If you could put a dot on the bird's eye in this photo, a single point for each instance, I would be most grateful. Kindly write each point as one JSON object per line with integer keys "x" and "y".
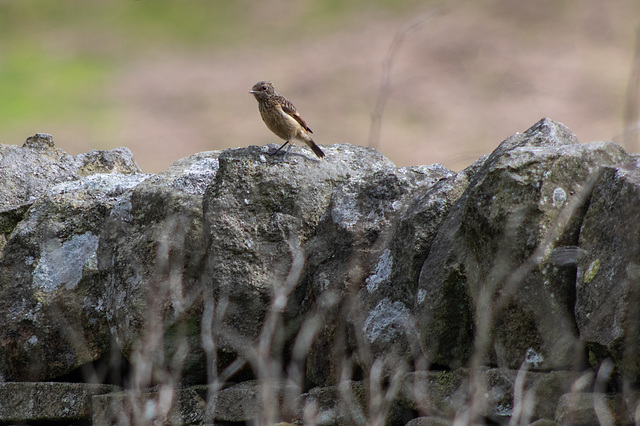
{"x": 263, "y": 88}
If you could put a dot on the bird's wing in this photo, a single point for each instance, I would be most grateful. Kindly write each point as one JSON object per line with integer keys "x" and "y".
{"x": 291, "y": 110}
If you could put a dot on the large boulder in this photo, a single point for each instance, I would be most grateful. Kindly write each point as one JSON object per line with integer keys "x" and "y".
{"x": 362, "y": 263}
{"x": 607, "y": 291}
{"x": 491, "y": 283}
{"x": 260, "y": 215}
{"x": 150, "y": 255}
{"x": 51, "y": 293}
{"x": 49, "y": 403}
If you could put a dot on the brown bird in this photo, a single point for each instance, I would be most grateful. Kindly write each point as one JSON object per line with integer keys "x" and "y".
{"x": 282, "y": 118}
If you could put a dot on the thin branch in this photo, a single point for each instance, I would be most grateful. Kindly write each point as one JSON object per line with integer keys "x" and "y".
{"x": 385, "y": 82}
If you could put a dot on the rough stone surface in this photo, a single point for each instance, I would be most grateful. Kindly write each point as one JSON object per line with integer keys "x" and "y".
{"x": 607, "y": 292}
{"x": 592, "y": 409}
{"x": 489, "y": 278}
{"x": 543, "y": 422}
{"x": 354, "y": 261}
{"x": 342, "y": 291}
{"x": 30, "y": 171}
{"x": 164, "y": 406}
{"x": 242, "y": 403}
{"x": 47, "y": 402}
{"x": 341, "y": 404}
{"x": 150, "y": 255}
{"x": 259, "y": 215}
{"x": 500, "y": 393}
{"x": 428, "y": 421}
{"x": 52, "y": 299}
{"x": 250, "y": 399}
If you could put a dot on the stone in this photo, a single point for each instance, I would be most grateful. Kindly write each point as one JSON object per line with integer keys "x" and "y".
{"x": 259, "y": 217}
{"x": 243, "y": 402}
{"x": 51, "y": 294}
{"x": 151, "y": 256}
{"x": 543, "y": 422}
{"x": 254, "y": 399}
{"x": 342, "y": 291}
{"x": 163, "y": 405}
{"x": 429, "y": 421}
{"x": 31, "y": 170}
{"x": 607, "y": 293}
{"x": 490, "y": 284}
{"x": 342, "y": 404}
{"x": 501, "y": 394}
{"x": 48, "y": 402}
{"x": 353, "y": 262}
{"x": 580, "y": 408}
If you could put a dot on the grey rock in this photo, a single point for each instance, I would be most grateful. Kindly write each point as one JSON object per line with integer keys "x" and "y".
{"x": 52, "y": 298}
{"x": 245, "y": 402}
{"x": 337, "y": 269}
{"x": 500, "y": 393}
{"x": 51, "y": 294}
{"x": 150, "y": 406}
{"x": 150, "y": 255}
{"x": 48, "y": 402}
{"x": 607, "y": 293}
{"x": 343, "y": 404}
{"x": 351, "y": 252}
{"x": 31, "y": 170}
{"x": 487, "y": 283}
{"x": 254, "y": 399}
{"x": 543, "y": 422}
{"x": 436, "y": 393}
{"x": 259, "y": 216}
{"x": 381, "y": 317}
{"x": 429, "y": 421}
{"x": 591, "y": 409}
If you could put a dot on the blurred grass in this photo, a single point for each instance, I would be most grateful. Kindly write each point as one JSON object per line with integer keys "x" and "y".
{"x": 34, "y": 83}
{"x": 56, "y": 57}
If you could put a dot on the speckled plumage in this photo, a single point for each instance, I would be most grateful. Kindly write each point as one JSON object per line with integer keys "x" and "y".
{"x": 281, "y": 117}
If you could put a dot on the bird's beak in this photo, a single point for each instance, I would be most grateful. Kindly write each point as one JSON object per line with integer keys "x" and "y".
{"x": 253, "y": 92}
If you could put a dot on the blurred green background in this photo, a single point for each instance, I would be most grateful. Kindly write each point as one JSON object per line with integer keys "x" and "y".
{"x": 170, "y": 78}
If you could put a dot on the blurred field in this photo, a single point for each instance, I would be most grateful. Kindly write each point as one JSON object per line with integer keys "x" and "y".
{"x": 170, "y": 78}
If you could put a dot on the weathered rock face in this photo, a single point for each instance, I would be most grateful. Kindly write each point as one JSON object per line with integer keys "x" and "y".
{"x": 491, "y": 262}
{"x": 607, "y": 287}
{"x": 51, "y": 292}
{"x": 259, "y": 215}
{"x": 150, "y": 253}
{"x": 349, "y": 289}
{"x": 363, "y": 267}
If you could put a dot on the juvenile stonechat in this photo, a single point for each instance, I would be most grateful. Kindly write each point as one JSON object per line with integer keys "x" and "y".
{"x": 282, "y": 118}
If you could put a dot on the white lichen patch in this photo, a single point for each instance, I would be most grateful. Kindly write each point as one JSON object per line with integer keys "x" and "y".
{"x": 559, "y": 197}
{"x": 101, "y": 184}
{"x": 345, "y": 209}
{"x": 382, "y": 273}
{"x": 533, "y": 358}
{"x": 62, "y": 264}
{"x": 386, "y": 321}
{"x": 422, "y": 294}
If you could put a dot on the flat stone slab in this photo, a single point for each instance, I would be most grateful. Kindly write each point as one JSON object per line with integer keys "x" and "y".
{"x": 27, "y": 401}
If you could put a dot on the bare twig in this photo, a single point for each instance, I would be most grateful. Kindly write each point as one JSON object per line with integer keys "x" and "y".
{"x": 385, "y": 82}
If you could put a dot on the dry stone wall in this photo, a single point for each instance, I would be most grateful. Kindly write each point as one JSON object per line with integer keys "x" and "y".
{"x": 236, "y": 287}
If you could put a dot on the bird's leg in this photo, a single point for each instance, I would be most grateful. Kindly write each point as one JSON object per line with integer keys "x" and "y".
{"x": 281, "y": 146}
{"x": 284, "y": 157}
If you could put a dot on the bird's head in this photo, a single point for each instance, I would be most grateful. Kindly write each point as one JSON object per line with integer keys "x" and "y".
{"x": 262, "y": 89}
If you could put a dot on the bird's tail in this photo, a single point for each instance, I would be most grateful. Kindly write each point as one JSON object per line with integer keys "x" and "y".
{"x": 315, "y": 148}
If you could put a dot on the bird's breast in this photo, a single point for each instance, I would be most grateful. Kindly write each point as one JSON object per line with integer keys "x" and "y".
{"x": 279, "y": 122}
